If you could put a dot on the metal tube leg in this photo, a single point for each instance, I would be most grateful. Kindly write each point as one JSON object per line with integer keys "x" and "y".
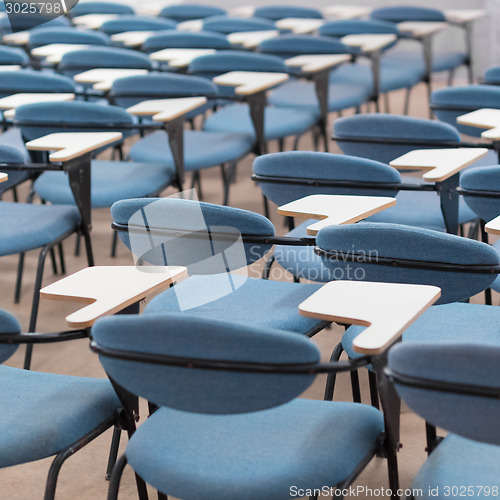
{"x": 162, "y": 496}
{"x": 406, "y": 110}
{"x": 266, "y": 205}
{"x": 372, "y": 379}
{"x": 114, "y": 243}
{"x": 114, "y": 484}
{"x": 113, "y": 452}
{"x": 356, "y": 390}
{"x": 20, "y": 268}
{"x": 53, "y": 260}
{"x": 61, "y": 258}
{"x": 332, "y": 376}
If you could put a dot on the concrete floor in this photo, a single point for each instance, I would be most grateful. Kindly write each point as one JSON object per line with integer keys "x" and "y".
{"x": 82, "y": 477}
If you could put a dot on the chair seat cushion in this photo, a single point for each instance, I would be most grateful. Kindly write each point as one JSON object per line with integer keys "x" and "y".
{"x": 278, "y": 122}
{"x": 27, "y": 226}
{"x": 48, "y": 412}
{"x": 454, "y": 323}
{"x": 253, "y": 455}
{"x": 201, "y": 149}
{"x": 461, "y": 462}
{"x": 393, "y": 76}
{"x": 302, "y": 262}
{"x": 441, "y": 61}
{"x": 420, "y": 209}
{"x": 496, "y": 284}
{"x": 302, "y": 95}
{"x": 266, "y": 303}
{"x": 111, "y": 181}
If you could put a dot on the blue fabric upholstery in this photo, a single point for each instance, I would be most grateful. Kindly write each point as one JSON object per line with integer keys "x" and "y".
{"x": 379, "y": 240}
{"x": 103, "y": 57}
{"x": 12, "y": 150}
{"x": 342, "y": 28}
{"x": 34, "y": 81}
{"x": 13, "y": 55}
{"x": 309, "y": 165}
{"x": 187, "y": 11}
{"x": 462, "y": 363}
{"x": 201, "y": 149}
{"x": 256, "y": 302}
{"x": 49, "y": 412}
{"x": 183, "y": 335}
{"x": 461, "y": 100}
{"x": 407, "y": 13}
{"x": 84, "y": 8}
{"x": 111, "y": 181}
{"x": 276, "y": 12}
{"x": 302, "y": 95}
{"x": 227, "y": 24}
{"x": 384, "y": 126}
{"x": 195, "y": 218}
{"x": 8, "y": 325}
{"x": 278, "y": 122}
{"x": 492, "y": 76}
{"x": 28, "y": 226}
{"x": 62, "y": 113}
{"x": 136, "y": 23}
{"x": 67, "y": 35}
{"x": 482, "y": 179}
{"x": 461, "y": 462}
{"x": 186, "y": 39}
{"x": 21, "y": 22}
{"x": 223, "y": 457}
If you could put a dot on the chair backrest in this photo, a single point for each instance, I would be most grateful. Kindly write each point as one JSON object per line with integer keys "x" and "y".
{"x": 276, "y": 12}
{"x": 482, "y": 179}
{"x": 128, "y": 91}
{"x": 84, "y": 8}
{"x": 293, "y": 45}
{"x": 103, "y": 57}
{"x": 395, "y": 253}
{"x": 283, "y": 170}
{"x": 492, "y": 76}
{"x": 46, "y": 118}
{"x": 451, "y": 102}
{"x": 8, "y": 325}
{"x": 67, "y": 35}
{"x": 22, "y": 22}
{"x": 34, "y": 81}
{"x": 190, "y": 233}
{"x": 186, "y": 39}
{"x": 13, "y": 56}
{"x": 369, "y": 135}
{"x": 228, "y": 24}
{"x": 12, "y": 150}
{"x": 181, "y": 336}
{"x": 187, "y": 11}
{"x": 342, "y": 28}
{"x": 401, "y": 13}
{"x": 136, "y": 23}
{"x": 435, "y": 369}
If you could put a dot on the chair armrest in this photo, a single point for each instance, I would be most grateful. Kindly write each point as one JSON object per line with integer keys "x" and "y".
{"x": 44, "y": 338}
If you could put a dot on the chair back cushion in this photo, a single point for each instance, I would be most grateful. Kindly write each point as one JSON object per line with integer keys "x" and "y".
{"x": 403, "y": 13}
{"x": 8, "y": 325}
{"x": 227, "y": 24}
{"x": 482, "y": 179}
{"x": 187, "y": 11}
{"x": 136, "y": 23}
{"x": 186, "y": 40}
{"x": 34, "y": 81}
{"x": 276, "y": 12}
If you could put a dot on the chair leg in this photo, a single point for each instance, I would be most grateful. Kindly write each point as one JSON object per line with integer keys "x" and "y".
{"x": 61, "y": 258}
{"x": 114, "y": 242}
{"x": 77, "y": 245}
{"x": 356, "y": 389}
{"x": 281, "y": 144}
{"x": 387, "y": 105}
{"x": 296, "y": 142}
{"x": 332, "y": 376}
{"x": 114, "y": 484}
{"x": 406, "y": 110}
{"x": 451, "y": 76}
{"x": 20, "y": 268}
{"x": 267, "y": 268}
{"x": 54, "y": 261}
{"x": 315, "y": 136}
{"x": 266, "y": 205}
{"x": 372, "y": 379}
{"x": 162, "y": 496}
{"x": 113, "y": 452}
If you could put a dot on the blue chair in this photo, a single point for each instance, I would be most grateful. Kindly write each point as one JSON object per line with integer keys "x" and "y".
{"x": 384, "y": 138}
{"x": 277, "y": 12}
{"x": 278, "y": 122}
{"x": 449, "y": 103}
{"x": 48, "y": 415}
{"x": 481, "y": 191}
{"x": 285, "y": 177}
{"x": 382, "y": 75}
{"x": 455, "y": 387}
{"x": 136, "y": 23}
{"x": 22, "y": 22}
{"x": 13, "y": 82}
{"x": 227, "y": 24}
{"x": 13, "y": 56}
{"x": 188, "y": 11}
{"x": 186, "y": 39}
{"x": 241, "y": 423}
{"x": 206, "y": 293}
{"x": 78, "y": 61}
{"x": 427, "y": 59}
{"x": 202, "y": 149}
{"x": 28, "y": 226}
{"x": 13, "y": 139}
{"x": 304, "y": 95}
{"x": 66, "y": 35}
{"x": 394, "y": 253}
{"x": 84, "y": 8}
{"x": 492, "y": 76}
